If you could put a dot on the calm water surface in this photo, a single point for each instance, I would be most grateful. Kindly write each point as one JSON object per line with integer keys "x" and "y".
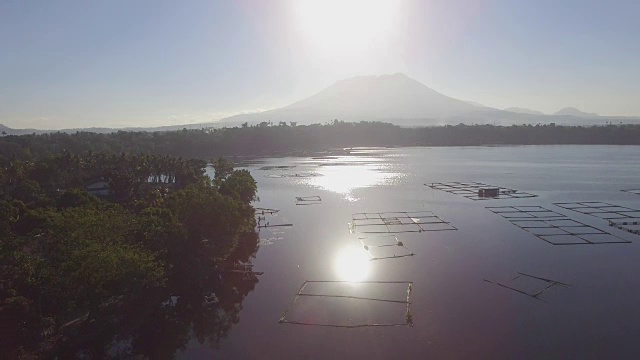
{"x": 456, "y": 315}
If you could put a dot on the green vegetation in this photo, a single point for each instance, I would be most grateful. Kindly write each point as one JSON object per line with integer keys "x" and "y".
{"x": 159, "y": 257}
{"x": 265, "y": 139}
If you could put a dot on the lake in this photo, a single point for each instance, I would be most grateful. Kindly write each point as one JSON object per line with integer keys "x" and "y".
{"x": 462, "y": 301}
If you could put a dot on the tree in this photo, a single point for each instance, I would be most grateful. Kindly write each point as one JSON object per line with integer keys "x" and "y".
{"x": 240, "y": 185}
{"x": 222, "y": 168}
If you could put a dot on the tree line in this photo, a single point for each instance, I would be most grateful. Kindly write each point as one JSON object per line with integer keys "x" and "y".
{"x": 283, "y": 138}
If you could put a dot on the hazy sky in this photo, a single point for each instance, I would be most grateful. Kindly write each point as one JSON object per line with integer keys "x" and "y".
{"x": 140, "y": 63}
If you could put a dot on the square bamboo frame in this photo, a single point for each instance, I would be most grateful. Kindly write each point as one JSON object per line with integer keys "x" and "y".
{"x": 548, "y": 284}
{"x": 398, "y": 222}
{"x": 408, "y": 315}
{"x": 469, "y": 190}
{"x": 555, "y": 228}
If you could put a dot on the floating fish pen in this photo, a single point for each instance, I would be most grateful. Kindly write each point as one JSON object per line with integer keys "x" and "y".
{"x": 269, "y": 225}
{"x": 264, "y": 222}
{"x": 328, "y": 157}
{"x": 265, "y": 211}
{"x": 397, "y": 222}
{"x": 532, "y": 286}
{"x": 384, "y": 247}
{"x": 525, "y": 212}
{"x": 338, "y": 303}
{"x": 559, "y": 230}
{"x": 308, "y": 200}
{"x": 632, "y": 191}
{"x": 602, "y": 210}
{"x": 628, "y": 225}
{"x": 339, "y": 163}
{"x": 479, "y": 191}
{"x": 277, "y": 167}
{"x": 293, "y": 175}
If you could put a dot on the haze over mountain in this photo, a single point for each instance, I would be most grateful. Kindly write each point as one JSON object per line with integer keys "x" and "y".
{"x": 384, "y": 97}
{"x": 404, "y": 101}
{"x": 524, "y": 111}
{"x": 393, "y": 98}
{"x": 571, "y": 111}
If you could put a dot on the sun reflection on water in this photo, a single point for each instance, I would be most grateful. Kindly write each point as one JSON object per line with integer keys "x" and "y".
{"x": 344, "y": 179}
{"x": 352, "y": 264}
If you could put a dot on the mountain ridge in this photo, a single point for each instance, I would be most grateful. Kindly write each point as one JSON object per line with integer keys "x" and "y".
{"x": 366, "y": 98}
{"x": 400, "y": 99}
{"x": 523, "y": 111}
{"x": 394, "y": 98}
{"x": 571, "y": 111}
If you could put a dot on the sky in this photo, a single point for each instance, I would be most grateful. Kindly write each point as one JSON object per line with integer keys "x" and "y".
{"x": 70, "y": 64}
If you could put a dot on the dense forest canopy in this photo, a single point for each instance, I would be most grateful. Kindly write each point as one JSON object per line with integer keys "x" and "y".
{"x": 287, "y": 138}
{"x": 160, "y": 256}
{"x": 119, "y": 245}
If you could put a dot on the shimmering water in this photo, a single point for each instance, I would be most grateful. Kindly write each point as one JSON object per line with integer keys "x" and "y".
{"x": 455, "y": 313}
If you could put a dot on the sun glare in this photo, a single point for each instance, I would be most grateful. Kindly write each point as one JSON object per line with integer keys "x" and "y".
{"x": 352, "y": 264}
{"x": 344, "y": 26}
{"x": 344, "y": 179}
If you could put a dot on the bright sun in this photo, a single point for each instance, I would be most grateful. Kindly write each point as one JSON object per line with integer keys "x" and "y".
{"x": 344, "y": 26}
{"x": 352, "y": 264}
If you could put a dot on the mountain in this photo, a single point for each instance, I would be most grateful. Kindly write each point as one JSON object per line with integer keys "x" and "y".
{"x": 387, "y": 97}
{"x": 523, "y": 111}
{"x": 395, "y": 98}
{"x": 5, "y": 130}
{"x": 571, "y": 111}
{"x": 474, "y": 103}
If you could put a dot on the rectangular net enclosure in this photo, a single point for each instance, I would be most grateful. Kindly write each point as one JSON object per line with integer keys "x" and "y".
{"x": 268, "y": 224}
{"x": 479, "y": 191}
{"x": 525, "y": 212}
{"x": 532, "y": 286}
{"x": 265, "y": 211}
{"x": 602, "y": 210}
{"x": 308, "y": 200}
{"x": 555, "y": 228}
{"x": 628, "y": 225}
{"x": 268, "y": 218}
{"x": 384, "y": 247}
{"x": 397, "y": 222}
{"x": 277, "y": 167}
{"x": 293, "y": 175}
{"x": 344, "y": 304}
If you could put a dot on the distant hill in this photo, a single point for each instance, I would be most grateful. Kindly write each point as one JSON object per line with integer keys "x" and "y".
{"x": 9, "y": 131}
{"x": 367, "y": 98}
{"x": 12, "y": 131}
{"x": 523, "y": 111}
{"x": 571, "y": 111}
